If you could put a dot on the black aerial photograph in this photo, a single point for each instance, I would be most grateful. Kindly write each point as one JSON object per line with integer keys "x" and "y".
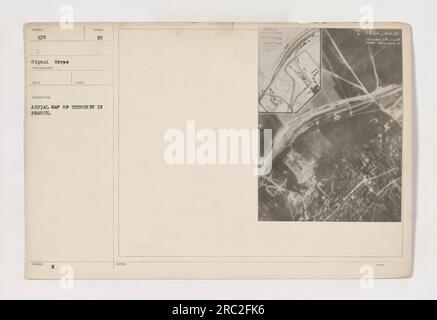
{"x": 333, "y": 100}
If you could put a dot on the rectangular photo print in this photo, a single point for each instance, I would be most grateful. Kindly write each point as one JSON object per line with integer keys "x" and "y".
{"x": 333, "y": 99}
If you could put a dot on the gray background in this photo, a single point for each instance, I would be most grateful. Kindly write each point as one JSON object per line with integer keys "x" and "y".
{"x": 420, "y": 14}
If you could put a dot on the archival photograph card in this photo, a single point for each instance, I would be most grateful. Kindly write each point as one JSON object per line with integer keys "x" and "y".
{"x": 218, "y": 150}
